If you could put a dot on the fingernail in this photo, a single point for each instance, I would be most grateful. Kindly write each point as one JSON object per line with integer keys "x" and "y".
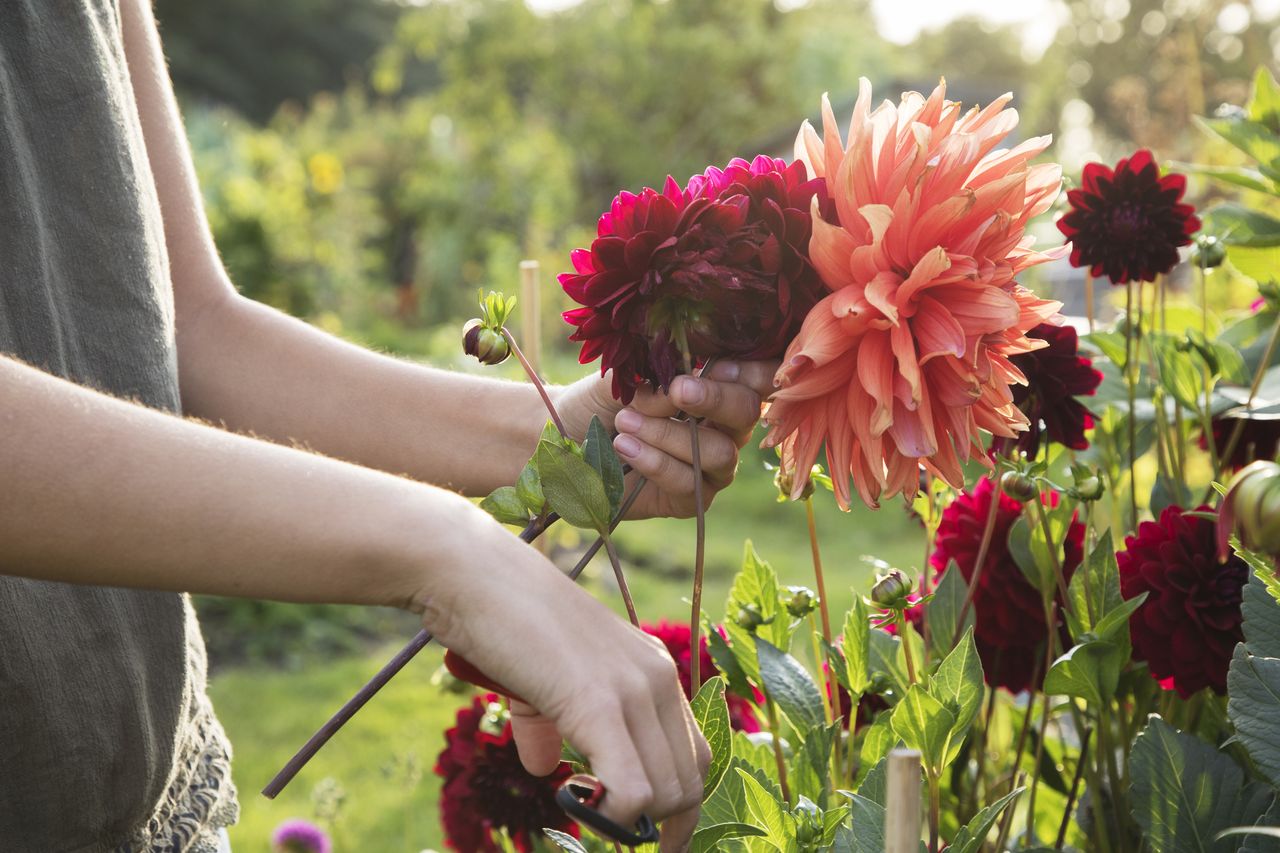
{"x": 628, "y": 420}
{"x": 689, "y": 391}
{"x": 627, "y": 445}
{"x": 725, "y": 371}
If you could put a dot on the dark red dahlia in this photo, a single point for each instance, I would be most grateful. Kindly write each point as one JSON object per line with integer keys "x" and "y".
{"x": 1189, "y": 625}
{"x": 486, "y": 789}
{"x": 1056, "y": 375}
{"x": 675, "y": 636}
{"x": 725, "y": 259}
{"x": 1259, "y": 439}
{"x": 1009, "y": 625}
{"x": 1127, "y": 223}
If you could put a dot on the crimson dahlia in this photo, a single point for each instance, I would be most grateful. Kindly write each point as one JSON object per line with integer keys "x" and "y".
{"x": 722, "y": 261}
{"x": 675, "y": 636}
{"x": 486, "y": 788}
{"x": 1009, "y": 624}
{"x": 1259, "y": 439}
{"x": 1189, "y": 625}
{"x": 1127, "y": 223}
{"x": 1056, "y": 375}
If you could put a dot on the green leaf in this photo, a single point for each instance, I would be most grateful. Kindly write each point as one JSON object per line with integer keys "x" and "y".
{"x": 756, "y": 584}
{"x": 712, "y": 716}
{"x": 1261, "y": 613}
{"x": 1237, "y": 225}
{"x": 788, "y": 684}
{"x": 725, "y": 660}
{"x": 1253, "y": 691}
{"x": 1255, "y": 843}
{"x": 598, "y": 452}
{"x": 1185, "y": 792}
{"x": 811, "y": 763}
{"x": 1110, "y": 344}
{"x": 924, "y": 724}
{"x": 1179, "y": 373}
{"x": 1028, "y": 549}
{"x": 832, "y": 821}
{"x": 1253, "y": 138}
{"x": 876, "y": 744}
{"x": 767, "y": 811}
{"x": 867, "y": 834}
{"x": 529, "y": 488}
{"x": 875, "y": 782}
{"x": 971, "y": 836}
{"x": 572, "y": 488}
{"x": 708, "y": 838}
{"x": 1095, "y": 587}
{"x": 505, "y": 505}
{"x": 1264, "y": 99}
{"x": 855, "y": 645}
{"x": 728, "y": 803}
{"x": 958, "y": 686}
{"x": 943, "y": 612}
{"x": 564, "y": 840}
{"x": 885, "y": 657}
{"x": 1089, "y": 670}
{"x": 1169, "y": 491}
{"x": 1240, "y": 176}
{"x": 1114, "y": 626}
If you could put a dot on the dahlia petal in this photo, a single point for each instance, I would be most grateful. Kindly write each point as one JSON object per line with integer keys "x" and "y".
{"x": 937, "y": 331}
{"x": 875, "y": 372}
{"x": 808, "y": 150}
{"x": 829, "y": 250}
{"x": 926, "y": 271}
{"x": 880, "y": 293}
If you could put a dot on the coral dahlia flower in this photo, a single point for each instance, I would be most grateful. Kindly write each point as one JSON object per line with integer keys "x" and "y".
{"x": 908, "y": 355}
{"x": 486, "y": 788}
{"x": 1190, "y": 623}
{"x": 1008, "y": 612}
{"x": 1056, "y": 375}
{"x": 1127, "y": 223}
{"x": 723, "y": 262}
{"x": 675, "y": 636}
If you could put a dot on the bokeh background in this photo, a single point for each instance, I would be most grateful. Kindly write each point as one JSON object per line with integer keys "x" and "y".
{"x": 368, "y": 165}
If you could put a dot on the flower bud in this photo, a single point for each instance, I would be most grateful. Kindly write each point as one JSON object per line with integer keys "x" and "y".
{"x": 1088, "y": 485}
{"x": 786, "y": 481}
{"x": 485, "y": 344}
{"x": 878, "y": 684}
{"x": 750, "y": 617}
{"x": 892, "y": 590}
{"x": 494, "y": 720}
{"x": 802, "y": 602}
{"x": 1251, "y": 509}
{"x": 1207, "y": 252}
{"x": 1018, "y": 486}
{"x": 809, "y": 823}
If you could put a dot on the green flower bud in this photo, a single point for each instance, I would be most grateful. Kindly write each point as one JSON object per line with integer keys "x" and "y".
{"x": 1251, "y": 508}
{"x": 808, "y": 818}
{"x": 1088, "y": 485}
{"x": 802, "y": 602}
{"x": 1018, "y": 486}
{"x": 484, "y": 343}
{"x": 879, "y": 684}
{"x": 1207, "y": 252}
{"x": 750, "y": 617}
{"x": 785, "y": 481}
{"x": 891, "y": 591}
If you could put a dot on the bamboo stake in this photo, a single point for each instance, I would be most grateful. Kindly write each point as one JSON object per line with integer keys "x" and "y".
{"x": 531, "y": 313}
{"x": 902, "y": 803}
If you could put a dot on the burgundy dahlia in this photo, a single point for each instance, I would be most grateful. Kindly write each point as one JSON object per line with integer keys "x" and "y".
{"x": 1259, "y": 439}
{"x": 1189, "y": 625}
{"x": 675, "y": 636}
{"x": 723, "y": 261}
{"x": 486, "y": 788}
{"x": 1056, "y": 375}
{"x": 1009, "y": 624}
{"x": 1127, "y": 223}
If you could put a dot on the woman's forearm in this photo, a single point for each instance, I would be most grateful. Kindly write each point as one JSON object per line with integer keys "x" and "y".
{"x": 100, "y": 491}
{"x": 259, "y": 371}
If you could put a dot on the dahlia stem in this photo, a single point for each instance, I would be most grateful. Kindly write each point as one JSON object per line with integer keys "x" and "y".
{"x": 1131, "y": 382}
{"x": 1088, "y": 296}
{"x": 1075, "y": 790}
{"x": 537, "y": 382}
{"x": 831, "y": 695}
{"x": 1238, "y": 429}
{"x": 700, "y": 543}
{"x": 1162, "y": 289}
{"x": 1035, "y": 777}
{"x": 774, "y": 729}
{"x": 935, "y": 808}
{"x": 900, "y": 620}
{"x": 983, "y": 548}
{"x": 620, "y": 577}
{"x": 1007, "y": 821}
{"x": 1058, "y": 575}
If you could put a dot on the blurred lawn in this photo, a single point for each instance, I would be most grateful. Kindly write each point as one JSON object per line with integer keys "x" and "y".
{"x": 269, "y": 712}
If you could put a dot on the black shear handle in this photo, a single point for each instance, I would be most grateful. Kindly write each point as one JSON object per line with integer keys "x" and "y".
{"x": 581, "y": 794}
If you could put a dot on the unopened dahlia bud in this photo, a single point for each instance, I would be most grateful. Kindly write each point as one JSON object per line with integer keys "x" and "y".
{"x": 1088, "y": 484}
{"x": 1018, "y": 486}
{"x": 785, "y": 481}
{"x": 485, "y": 344}
{"x": 892, "y": 590}
{"x": 809, "y": 824}
{"x": 750, "y": 617}
{"x": 802, "y": 602}
{"x": 1208, "y": 252}
{"x": 1251, "y": 509}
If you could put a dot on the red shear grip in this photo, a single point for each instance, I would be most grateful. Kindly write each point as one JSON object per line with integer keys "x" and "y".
{"x": 463, "y": 670}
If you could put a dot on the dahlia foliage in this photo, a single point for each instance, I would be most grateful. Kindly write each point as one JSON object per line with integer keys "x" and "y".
{"x": 1066, "y": 615}
{"x": 907, "y": 357}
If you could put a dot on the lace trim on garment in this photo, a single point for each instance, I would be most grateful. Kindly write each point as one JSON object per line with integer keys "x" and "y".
{"x": 200, "y": 800}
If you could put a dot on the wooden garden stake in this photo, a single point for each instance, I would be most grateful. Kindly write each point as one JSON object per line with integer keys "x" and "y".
{"x": 902, "y": 803}
{"x": 531, "y": 313}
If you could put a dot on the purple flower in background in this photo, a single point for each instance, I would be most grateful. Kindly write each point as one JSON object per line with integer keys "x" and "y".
{"x": 299, "y": 836}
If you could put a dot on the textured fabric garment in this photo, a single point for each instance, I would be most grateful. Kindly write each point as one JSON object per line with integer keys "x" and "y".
{"x": 106, "y": 739}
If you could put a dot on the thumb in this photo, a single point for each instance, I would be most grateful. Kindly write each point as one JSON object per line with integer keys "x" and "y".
{"x": 537, "y": 739}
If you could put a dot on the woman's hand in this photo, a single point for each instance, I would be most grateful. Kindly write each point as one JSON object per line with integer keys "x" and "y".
{"x": 658, "y": 446}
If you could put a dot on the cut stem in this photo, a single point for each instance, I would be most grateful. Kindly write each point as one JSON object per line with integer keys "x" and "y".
{"x": 621, "y": 578}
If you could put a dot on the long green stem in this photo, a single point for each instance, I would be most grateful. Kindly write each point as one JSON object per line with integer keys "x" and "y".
{"x": 1044, "y": 711}
{"x": 1058, "y": 575}
{"x": 1075, "y": 789}
{"x": 1131, "y": 382}
{"x": 700, "y": 543}
{"x": 983, "y": 547}
{"x": 935, "y": 808}
{"x": 775, "y": 730}
{"x": 901, "y": 621}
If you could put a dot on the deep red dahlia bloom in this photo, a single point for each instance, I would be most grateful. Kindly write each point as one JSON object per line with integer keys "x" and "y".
{"x": 1056, "y": 375}
{"x": 1009, "y": 626}
{"x": 1190, "y": 623}
{"x": 487, "y": 789}
{"x": 725, "y": 258}
{"x": 675, "y": 636}
{"x": 1260, "y": 439}
{"x": 1127, "y": 223}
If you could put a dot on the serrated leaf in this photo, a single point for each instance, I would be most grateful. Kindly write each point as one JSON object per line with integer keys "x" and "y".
{"x": 712, "y": 716}
{"x": 564, "y": 840}
{"x": 959, "y": 687}
{"x": 1094, "y": 587}
{"x": 944, "y": 609}
{"x": 971, "y": 836}
{"x": 1253, "y": 138}
{"x": 573, "y": 488}
{"x": 832, "y": 821}
{"x": 1261, "y": 614}
{"x": 875, "y": 783}
{"x": 529, "y": 488}
{"x": 811, "y": 763}
{"x": 767, "y": 811}
{"x": 924, "y": 724}
{"x": 790, "y": 686}
{"x": 1253, "y": 691}
{"x": 1254, "y": 843}
{"x": 1114, "y": 626}
{"x": 505, "y": 505}
{"x": 756, "y": 584}
{"x": 867, "y": 832}
{"x": 876, "y": 743}
{"x": 598, "y": 452}
{"x": 1185, "y": 792}
{"x": 854, "y": 644}
{"x": 1089, "y": 671}
{"x": 708, "y": 838}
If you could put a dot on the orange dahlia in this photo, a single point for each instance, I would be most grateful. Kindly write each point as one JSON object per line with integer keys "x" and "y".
{"x": 907, "y": 357}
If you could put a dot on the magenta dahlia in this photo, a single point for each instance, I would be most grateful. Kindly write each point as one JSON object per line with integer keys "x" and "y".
{"x": 1009, "y": 623}
{"x": 723, "y": 261}
{"x": 1127, "y": 223}
{"x": 675, "y": 636}
{"x": 1056, "y": 376}
{"x": 1189, "y": 625}
{"x": 486, "y": 788}
{"x": 300, "y": 836}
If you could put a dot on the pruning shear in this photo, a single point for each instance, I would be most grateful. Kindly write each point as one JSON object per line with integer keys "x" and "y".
{"x": 581, "y": 794}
